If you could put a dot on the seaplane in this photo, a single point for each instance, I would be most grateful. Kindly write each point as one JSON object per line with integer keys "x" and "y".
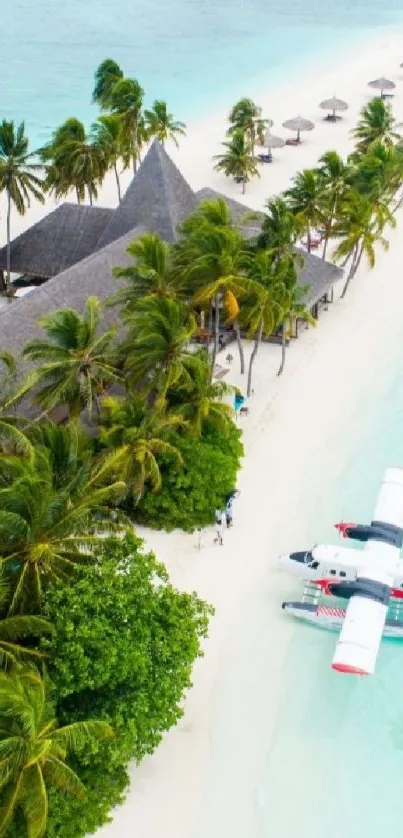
{"x": 369, "y": 577}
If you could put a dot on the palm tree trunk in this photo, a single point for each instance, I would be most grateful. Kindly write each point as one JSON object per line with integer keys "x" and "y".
{"x": 78, "y": 195}
{"x": 243, "y": 186}
{"x": 240, "y": 347}
{"x": 216, "y": 332}
{"x": 283, "y": 351}
{"x": 353, "y": 269}
{"x": 8, "y": 272}
{"x": 332, "y": 215}
{"x": 115, "y": 169}
{"x": 90, "y": 195}
{"x": 308, "y": 240}
{"x": 253, "y": 356}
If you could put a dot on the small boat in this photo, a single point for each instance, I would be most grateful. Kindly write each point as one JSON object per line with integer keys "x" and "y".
{"x": 331, "y": 617}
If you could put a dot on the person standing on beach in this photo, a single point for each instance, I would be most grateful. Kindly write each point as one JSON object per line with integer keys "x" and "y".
{"x": 219, "y": 527}
{"x": 228, "y": 513}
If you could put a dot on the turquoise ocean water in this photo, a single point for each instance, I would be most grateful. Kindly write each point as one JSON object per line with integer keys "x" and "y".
{"x": 335, "y": 764}
{"x": 193, "y": 53}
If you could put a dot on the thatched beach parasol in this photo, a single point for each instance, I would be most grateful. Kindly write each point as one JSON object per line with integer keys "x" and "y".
{"x": 271, "y": 141}
{"x": 298, "y": 124}
{"x": 382, "y": 84}
{"x": 333, "y": 105}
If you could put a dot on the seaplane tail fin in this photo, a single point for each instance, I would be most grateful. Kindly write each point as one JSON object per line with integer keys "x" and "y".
{"x": 358, "y": 645}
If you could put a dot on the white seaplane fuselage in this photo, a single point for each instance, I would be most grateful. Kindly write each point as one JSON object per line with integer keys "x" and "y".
{"x": 338, "y": 563}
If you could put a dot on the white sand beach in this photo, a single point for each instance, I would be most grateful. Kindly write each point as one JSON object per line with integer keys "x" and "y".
{"x": 294, "y": 422}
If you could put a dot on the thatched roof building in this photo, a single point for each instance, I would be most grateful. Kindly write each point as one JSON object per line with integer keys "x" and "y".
{"x": 158, "y": 198}
{"x": 62, "y": 238}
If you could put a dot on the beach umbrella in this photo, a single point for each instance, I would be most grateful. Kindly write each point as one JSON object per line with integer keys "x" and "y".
{"x": 334, "y": 104}
{"x": 382, "y": 84}
{"x": 271, "y": 141}
{"x": 298, "y": 124}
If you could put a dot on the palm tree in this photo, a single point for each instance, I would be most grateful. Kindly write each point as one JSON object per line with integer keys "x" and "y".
{"x": 279, "y": 231}
{"x": 127, "y": 101}
{"x": 304, "y": 199}
{"x": 107, "y": 74}
{"x": 294, "y": 309}
{"x": 267, "y": 300}
{"x": 138, "y": 436}
{"x": 360, "y": 225}
{"x": 155, "y": 350}
{"x": 200, "y": 402}
{"x": 50, "y": 507}
{"x": 76, "y": 363}
{"x": 151, "y": 274}
{"x": 238, "y": 161}
{"x": 213, "y": 252}
{"x": 34, "y": 751}
{"x": 106, "y": 135}
{"x": 19, "y": 178}
{"x": 246, "y": 116}
{"x": 82, "y": 165}
{"x": 334, "y": 176}
{"x": 58, "y": 179}
{"x": 20, "y": 627}
{"x": 376, "y": 123}
{"x": 162, "y": 125}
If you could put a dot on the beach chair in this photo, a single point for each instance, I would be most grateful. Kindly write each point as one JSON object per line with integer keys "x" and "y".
{"x": 293, "y": 141}
{"x": 265, "y": 158}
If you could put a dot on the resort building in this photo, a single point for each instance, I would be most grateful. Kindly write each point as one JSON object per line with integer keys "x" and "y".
{"x": 69, "y": 254}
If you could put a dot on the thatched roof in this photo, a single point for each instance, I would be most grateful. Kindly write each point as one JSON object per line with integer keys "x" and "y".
{"x": 65, "y": 236}
{"x": 250, "y": 226}
{"x": 69, "y": 289}
{"x": 158, "y": 198}
{"x": 319, "y": 275}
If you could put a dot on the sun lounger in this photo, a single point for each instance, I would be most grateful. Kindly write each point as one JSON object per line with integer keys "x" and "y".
{"x": 265, "y": 158}
{"x": 292, "y": 141}
{"x": 314, "y": 243}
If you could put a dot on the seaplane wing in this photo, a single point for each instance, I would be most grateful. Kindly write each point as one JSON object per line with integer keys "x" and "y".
{"x": 358, "y": 645}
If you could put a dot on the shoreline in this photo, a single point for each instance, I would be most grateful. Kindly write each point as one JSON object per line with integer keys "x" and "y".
{"x": 291, "y": 419}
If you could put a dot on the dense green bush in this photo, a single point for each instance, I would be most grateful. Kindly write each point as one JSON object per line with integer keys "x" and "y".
{"x": 191, "y": 492}
{"x": 123, "y": 651}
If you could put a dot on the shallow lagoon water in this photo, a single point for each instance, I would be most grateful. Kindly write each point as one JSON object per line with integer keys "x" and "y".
{"x": 196, "y": 54}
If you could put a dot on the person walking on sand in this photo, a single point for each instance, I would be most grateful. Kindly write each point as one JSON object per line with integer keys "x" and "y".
{"x": 219, "y": 527}
{"x": 228, "y": 513}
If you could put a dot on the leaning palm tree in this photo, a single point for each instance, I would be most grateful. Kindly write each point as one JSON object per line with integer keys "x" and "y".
{"x": 200, "y": 403}
{"x": 151, "y": 274}
{"x": 359, "y": 227}
{"x": 155, "y": 350}
{"x": 127, "y": 101}
{"x": 107, "y": 74}
{"x": 238, "y": 161}
{"x": 334, "y": 174}
{"x": 81, "y": 164}
{"x": 139, "y": 437}
{"x": 34, "y": 751}
{"x": 106, "y": 135}
{"x": 246, "y": 116}
{"x": 305, "y": 198}
{"x": 267, "y": 299}
{"x": 75, "y": 364}
{"x": 162, "y": 125}
{"x": 376, "y": 123}
{"x": 58, "y": 179}
{"x": 20, "y": 178}
{"x": 51, "y": 506}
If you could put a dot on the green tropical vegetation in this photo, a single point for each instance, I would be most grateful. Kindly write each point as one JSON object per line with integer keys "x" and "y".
{"x": 116, "y": 425}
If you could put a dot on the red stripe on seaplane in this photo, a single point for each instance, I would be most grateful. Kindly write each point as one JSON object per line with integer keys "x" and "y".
{"x": 348, "y": 670}
{"x": 396, "y": 593}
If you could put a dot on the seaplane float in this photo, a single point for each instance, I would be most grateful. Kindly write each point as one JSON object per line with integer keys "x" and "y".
{"x": 369, "y": 577}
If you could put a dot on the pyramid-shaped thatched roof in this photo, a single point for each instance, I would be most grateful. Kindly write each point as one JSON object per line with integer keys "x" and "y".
{"x": 158, "y": 198}
{"x": 67, "y": 235}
